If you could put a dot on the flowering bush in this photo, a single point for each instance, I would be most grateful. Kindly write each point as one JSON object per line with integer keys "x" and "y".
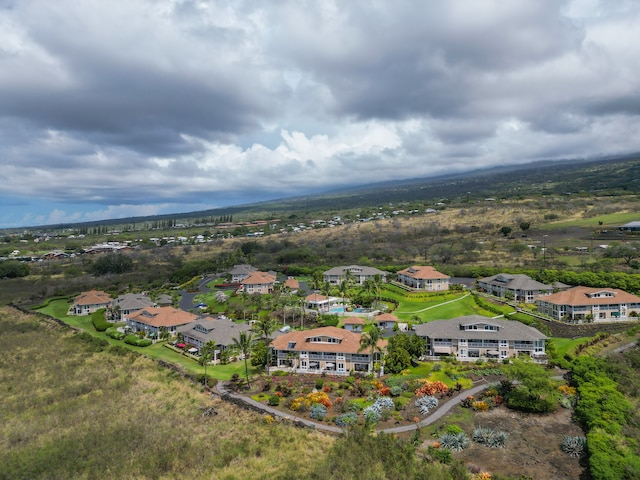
{"x": 567, "y": 390}
{"x": 480, "y": 406}
{"x": 320, "y": 397}
{"x": 468, "y": 402}
{"x": 384, "y": 391}
{"x": 300, "y": 404}
{"x": 431, "y": 388}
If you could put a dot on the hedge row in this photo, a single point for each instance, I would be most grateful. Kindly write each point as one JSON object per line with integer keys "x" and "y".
{"x": 114, "y": 333}
{"x": 604, "y": 412}
{"x": 137, "y": 341}
{"x": 99, "y": 323}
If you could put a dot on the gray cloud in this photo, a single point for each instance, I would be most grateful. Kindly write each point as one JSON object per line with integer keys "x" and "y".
{"x": 150, "y": 105}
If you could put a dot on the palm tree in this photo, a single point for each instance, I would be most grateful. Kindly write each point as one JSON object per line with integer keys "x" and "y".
{"x": 369, "y": 341}
{"x": 265, "y": 327}
{"x": 317, "y": 280}
{"x": 243, "y": 342}
{"x": 164, "y": 334}
{"x": 245, "y": 297}
{"x": 350, "y": 278}
{"x": 377, "y": 285}
{"x": 206, "y": 353}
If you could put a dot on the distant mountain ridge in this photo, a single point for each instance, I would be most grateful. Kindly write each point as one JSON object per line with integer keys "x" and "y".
{"x": 610, "y": 175}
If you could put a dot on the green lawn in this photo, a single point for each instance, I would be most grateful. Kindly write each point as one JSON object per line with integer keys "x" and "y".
{"x": 59, "y": 308}
{"x": 609, "y": 220}
{"x": 440, "y": 308}
{"x": 564, "y": 345}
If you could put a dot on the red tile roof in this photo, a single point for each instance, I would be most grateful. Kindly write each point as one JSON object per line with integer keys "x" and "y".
{"x": 354, "y": 321}
{"x": 163, "y": 317}
{"x": 580, "y": 296}
{"x": 422, "y": 273}
{"x": 92, "y": 297}
{"x": 259, "y": 278}
{"x": 296, "y": 341}
{"x": 316, "y": 297}
{"x": 385, "y": 317}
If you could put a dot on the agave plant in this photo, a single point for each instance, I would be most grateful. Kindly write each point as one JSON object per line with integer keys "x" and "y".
{"x": 454, "y": 441}
{"x": 482, "y": 435}
{"x": 573, "y": 446}
{"x": 498, "y": 439}
{"x": 426, "y": 403}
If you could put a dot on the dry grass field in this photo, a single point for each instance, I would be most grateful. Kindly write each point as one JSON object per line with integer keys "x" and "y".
{"x": 72, "y": 410}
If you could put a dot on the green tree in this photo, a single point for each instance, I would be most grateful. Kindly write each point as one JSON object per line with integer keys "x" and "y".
{"x": 369, "y": 342}
{"x": 625, "y": 251}
{"x": 505, "y": 230}
{"x": 112, "y": 263}
{"x": 244, "y": 343}
{"x": 13, "y": 269}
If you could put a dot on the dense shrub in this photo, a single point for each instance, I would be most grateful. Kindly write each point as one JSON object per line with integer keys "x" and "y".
{"x": 346, "y": 419}
{"x": 318, "y": 411}
{"x": 274, "y": 400}
{"x": 114, "y": 333}
{"x": 112, "y": 263}
{"x": 13, "y": 269}
{"x": 99, "y": 323}
{"x": 134, "y": 340}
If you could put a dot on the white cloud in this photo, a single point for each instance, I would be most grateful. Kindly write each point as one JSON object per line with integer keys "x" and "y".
{"x": 146, "y": 106}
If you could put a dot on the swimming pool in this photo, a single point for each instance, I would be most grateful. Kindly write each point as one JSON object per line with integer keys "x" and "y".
{"x": 355, "y": 310}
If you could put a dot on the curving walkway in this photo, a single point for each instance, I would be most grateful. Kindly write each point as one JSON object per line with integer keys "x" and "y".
{"x": 437, "y": 414}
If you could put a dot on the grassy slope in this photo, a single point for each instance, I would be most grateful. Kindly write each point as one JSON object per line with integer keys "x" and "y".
{"x": 439, "y": 308}
{"x": 58, "y": 309}
{"x": 69, "y": 411}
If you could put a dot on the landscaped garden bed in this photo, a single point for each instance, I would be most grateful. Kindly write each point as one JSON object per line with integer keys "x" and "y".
{"x": 382, "y": 403}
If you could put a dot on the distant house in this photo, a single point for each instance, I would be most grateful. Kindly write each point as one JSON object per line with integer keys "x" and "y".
{"x": 258, "y": 282}
{"x": 151, "y": 319}
{"x": 423, "y": 278}
{"x": 164, "y": 300}
{"x": 579, "y": 304}
{"x": 630, "y": 227}
{"x": 318, "y": 302}
{"x": 474, "y": 336}
{"x": 219, "y": 330}
{"x": 292, "y": 284}
{"x": 336, "y": 275}
{"x": 240, "y": 272}
{"x": 515, "y": 285}
{"x": 329, "y": 350}
{"x": 385, "y": 321}
{"x": 88, "y": 302}
{"x": 353, "y": 324}
{"x": 129, "y": 303}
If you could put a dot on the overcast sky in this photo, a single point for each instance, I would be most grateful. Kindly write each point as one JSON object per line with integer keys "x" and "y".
{"x": 137, "y": 107}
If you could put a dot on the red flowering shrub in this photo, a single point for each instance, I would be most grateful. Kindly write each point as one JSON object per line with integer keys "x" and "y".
{"x": 431, "y": 388}
{"x": 384, "y": 391}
